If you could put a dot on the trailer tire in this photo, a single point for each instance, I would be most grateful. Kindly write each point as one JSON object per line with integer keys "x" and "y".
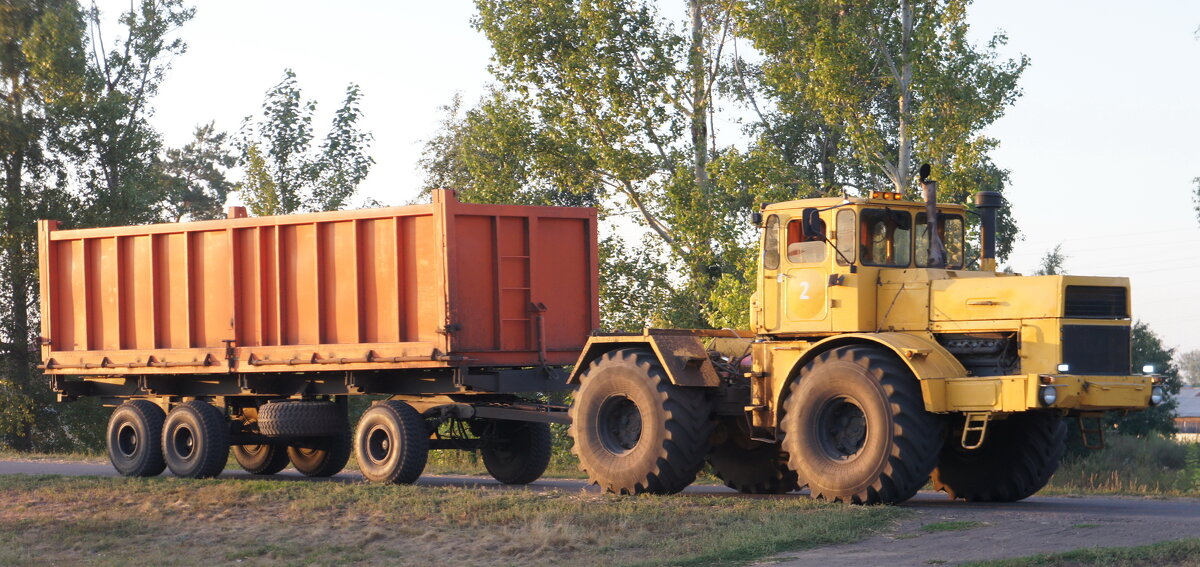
{"x": 391, "y": 443}
{"x": 195, "y": 440}
{"x": 855, "y": 428}
{"x": 261, "y": 459}
{"x": 300, "y": 419}
{"x": 634, "y": 431}
{"x": 515, "y": 452}
{"x": 135, "y": 438}
{"x": 1017, "y": 459}
{"x": 759, "y": 469}
{"x": 323, "y": 457}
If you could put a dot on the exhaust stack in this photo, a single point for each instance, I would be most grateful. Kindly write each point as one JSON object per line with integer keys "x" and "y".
{"x": 937, "y": 250}
{"x": 988, "y": 202}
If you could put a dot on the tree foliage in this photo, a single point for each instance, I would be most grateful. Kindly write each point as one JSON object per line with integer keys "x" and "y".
{"x": 285, "y": 172}
{"x": 1053, "y": 263}
{"x": 613, "y": 103}
{"x": 1189, "y": 367}
{"x": 1148, "y": 349}
{"x": 894, "y": 84}
{"x": 77, "y": 146}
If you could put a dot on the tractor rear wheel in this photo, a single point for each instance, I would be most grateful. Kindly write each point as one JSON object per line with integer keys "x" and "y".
{"x": 758, "y": 468}
{"x": 634, "y": 431}
{"x": 855, "y": 428}
{"x": 1017, "y": 458}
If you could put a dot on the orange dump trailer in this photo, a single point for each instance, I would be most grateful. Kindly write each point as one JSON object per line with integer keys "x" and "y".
{"x": 427, "y": 286}
{"x": 448, "y": 308}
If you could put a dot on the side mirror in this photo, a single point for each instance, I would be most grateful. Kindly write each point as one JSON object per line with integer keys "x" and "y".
{"x": 756, "y": 218}
{"x": 812, "y": 224}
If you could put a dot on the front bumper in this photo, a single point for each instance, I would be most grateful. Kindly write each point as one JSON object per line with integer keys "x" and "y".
{"x": 1022, "y": 392}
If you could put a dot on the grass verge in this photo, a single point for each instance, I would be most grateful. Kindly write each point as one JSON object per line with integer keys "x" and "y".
{"x": 1148, "y": 466}
{"x": 1183, "y": 553}
{"x": 119, "y": 521}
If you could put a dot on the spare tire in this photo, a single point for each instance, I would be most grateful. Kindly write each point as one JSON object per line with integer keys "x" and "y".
{"x": 300, "y": 419}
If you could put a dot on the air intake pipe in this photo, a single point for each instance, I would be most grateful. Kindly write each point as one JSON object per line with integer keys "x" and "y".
{"x": 987, "y": 203}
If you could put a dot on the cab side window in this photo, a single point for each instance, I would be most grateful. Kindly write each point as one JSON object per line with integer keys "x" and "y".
{"x": 771, "y": 243}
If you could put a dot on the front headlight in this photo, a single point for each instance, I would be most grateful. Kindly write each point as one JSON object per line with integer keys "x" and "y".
{"x": 1157, "y": 394}
{"x": 1049, "y": 395}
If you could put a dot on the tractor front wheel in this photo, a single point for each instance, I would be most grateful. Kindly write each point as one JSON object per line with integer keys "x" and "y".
{"x": 855, "y": 428}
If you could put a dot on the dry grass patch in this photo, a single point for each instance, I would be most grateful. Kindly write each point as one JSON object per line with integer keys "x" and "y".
{"x": 115, "y": 521}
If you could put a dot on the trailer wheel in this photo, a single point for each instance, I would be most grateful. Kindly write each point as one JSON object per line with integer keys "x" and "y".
{"x": 391, "y": 443}
{"x": 636, "y": 432}
{"x": 135, "y": 438}
{"x": 322, "y": 457}
{"x": 759, "y": 469}
{"x": 261, "y": 459}
{"x": 195, "y": 440}
{"x": 515, "y": 452}
{"x": 856, "y": 430}
{"x": 1018, "y": 456}
{"x": 300, "y": 419}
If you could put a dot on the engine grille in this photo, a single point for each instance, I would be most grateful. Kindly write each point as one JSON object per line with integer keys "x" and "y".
{"x": 1094, "y": 349}
{"x": 1095, "y": 302}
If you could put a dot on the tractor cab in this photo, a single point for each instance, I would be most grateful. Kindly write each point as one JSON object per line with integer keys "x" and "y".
{"x": 821, "y": 258}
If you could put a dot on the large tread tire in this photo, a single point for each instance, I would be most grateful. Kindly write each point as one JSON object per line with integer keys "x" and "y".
{"x": 760, "y": 468}
{"x": 325, "y": 457}
{"x": 261, "y": 459}
{"x": 300, "y": 419}
{"x": 516, "y": 452}
{"x": 1018, "y": 456}
{"x": 195, "y": 440}
{"x": 391, "y": 443}
{"x": 881, "y": 453}
{"x": 634, "y": 431}
{"x": 134, "y": 439}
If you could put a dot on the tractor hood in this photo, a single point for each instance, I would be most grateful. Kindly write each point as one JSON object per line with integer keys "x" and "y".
{"x": 959, "y": 298}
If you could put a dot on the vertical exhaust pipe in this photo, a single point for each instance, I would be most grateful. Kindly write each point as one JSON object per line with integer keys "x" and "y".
{"x": 937, "y": 250}
{"x": 987, "y": 203}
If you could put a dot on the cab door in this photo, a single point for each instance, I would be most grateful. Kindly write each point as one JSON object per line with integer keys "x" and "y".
{"x": 805, "y": 300}
{"x": 766, "y": 312}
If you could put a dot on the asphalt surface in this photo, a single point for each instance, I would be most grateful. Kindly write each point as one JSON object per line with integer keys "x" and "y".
{"x": 1041, "y": 524}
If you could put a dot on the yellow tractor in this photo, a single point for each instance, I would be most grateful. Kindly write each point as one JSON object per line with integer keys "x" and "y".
{"x": 876, "y": 360}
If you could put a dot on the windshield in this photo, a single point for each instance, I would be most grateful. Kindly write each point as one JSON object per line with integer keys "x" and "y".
{"x": 886, "y": 237}
{"x": 950, "y": 230}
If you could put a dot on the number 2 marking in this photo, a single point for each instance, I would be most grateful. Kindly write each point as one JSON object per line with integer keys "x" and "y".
{"x": 804, "y": 290}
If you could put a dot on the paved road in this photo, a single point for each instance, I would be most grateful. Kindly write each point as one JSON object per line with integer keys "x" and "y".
{"x": 1037, "y": 525}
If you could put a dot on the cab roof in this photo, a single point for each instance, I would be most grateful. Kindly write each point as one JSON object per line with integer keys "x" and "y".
{"x": 825, "y": 202}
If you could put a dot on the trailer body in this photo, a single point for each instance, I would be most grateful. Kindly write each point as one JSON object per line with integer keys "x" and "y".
{"x": 445, "y": 285}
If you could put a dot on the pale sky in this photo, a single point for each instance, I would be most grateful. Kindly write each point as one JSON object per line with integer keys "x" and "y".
{"x": 1102, "y": 146}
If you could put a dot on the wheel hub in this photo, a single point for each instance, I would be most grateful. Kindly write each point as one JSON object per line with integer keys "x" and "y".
{"x": 620, "y": 424}
{"x": 127, "y": 440}
{"x": 379, "y": 444}
{"x": 184, "y": 442}
{"x": 842, "y": 428}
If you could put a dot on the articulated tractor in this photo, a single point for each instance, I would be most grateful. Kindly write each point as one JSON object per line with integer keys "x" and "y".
{"x": 876, "y": 361}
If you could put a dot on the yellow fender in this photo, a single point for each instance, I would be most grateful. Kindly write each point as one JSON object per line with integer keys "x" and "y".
{"x": 927, "y": 359}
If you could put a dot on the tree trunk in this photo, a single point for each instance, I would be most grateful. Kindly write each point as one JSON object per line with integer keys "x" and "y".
{"x": 904, "y": 159}
{"x": 697, "y": 68}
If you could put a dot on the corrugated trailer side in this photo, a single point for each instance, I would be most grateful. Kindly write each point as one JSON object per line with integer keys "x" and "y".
{"x": 427, "y": 286}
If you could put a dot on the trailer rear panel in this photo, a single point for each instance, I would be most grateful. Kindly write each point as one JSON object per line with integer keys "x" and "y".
{"x": 423, "y": 286}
